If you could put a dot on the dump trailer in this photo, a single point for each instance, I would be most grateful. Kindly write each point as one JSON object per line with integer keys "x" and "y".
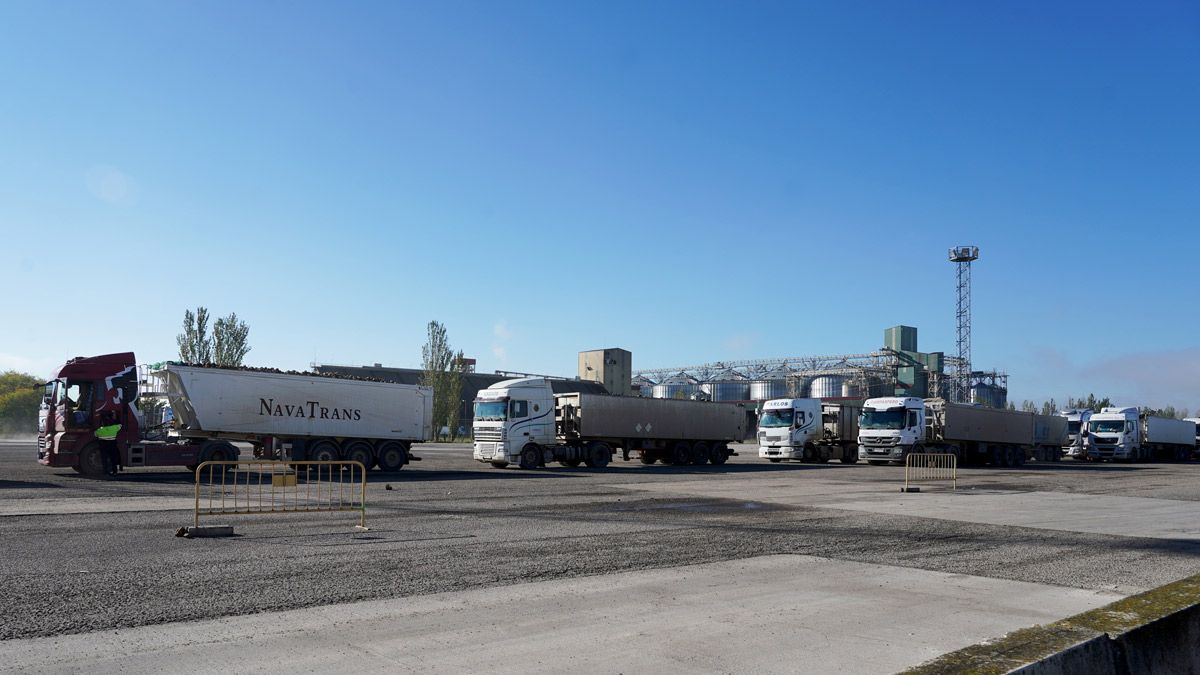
{"x": 891, "y": 428}
{"x": 293, "y": 415}
{"x": 1126, "y": 434}
{"x": 522, "y": 422}
{"x": 807, "y": 430}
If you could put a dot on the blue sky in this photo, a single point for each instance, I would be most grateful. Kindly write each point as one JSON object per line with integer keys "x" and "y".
{"x": 693, "y": 181}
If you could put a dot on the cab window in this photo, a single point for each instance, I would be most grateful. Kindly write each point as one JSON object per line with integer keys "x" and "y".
{"x": 518, "y": 409}
{"x": 912, "y": 418}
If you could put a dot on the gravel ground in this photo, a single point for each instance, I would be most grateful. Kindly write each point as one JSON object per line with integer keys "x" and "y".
{"x": 451, "y": 524}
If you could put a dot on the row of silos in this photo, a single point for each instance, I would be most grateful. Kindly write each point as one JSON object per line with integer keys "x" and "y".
{"x": 782, "y": 383}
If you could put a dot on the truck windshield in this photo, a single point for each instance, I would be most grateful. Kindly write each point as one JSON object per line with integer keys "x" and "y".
{"x": 491, "y": 410}
{"x": 882, "y": 419}
{"x": 1108, "y": 426}
{"x": 776, "y": 418}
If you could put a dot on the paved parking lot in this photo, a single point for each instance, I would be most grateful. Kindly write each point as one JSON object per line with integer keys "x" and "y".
{"x": 747, "y": 567}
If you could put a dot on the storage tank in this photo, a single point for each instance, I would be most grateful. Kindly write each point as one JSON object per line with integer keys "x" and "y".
{"x": 771, "y": 385}
{"x": 727, "y": 391}
{"x": 643, "y": 386}
{"x": 800, "y": 385}
{"x": 851, "y": 389}
{"x": 677, "y": 386}
{"x": 826, "y": 386}
{"x": 984, "y": 395}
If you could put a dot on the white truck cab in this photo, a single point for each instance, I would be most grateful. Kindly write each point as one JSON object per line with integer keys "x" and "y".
{"x": 1077, "y": 433}
{"x": 510, "y": 414}
{"x": 787, "y": 426}
{"x": 1114, "y": 434}
{"x": 891, "y": 427}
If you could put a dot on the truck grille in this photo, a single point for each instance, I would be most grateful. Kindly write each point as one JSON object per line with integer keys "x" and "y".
{"x": 491, "y": 435}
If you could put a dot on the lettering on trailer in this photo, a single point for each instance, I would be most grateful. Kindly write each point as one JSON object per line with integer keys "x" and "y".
{"x": 308, "y": 410}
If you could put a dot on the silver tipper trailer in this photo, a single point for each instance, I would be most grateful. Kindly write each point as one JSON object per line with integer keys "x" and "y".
{"x": 668, "y": 430}
{"x": 994, "y": 436}
{"x": 314, "y": 417}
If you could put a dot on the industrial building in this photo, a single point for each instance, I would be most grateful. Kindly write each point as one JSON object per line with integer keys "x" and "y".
{"x": 899, "y": 368}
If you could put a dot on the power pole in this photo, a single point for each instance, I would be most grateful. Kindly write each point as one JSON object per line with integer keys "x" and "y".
{"x": 960, "y": 385}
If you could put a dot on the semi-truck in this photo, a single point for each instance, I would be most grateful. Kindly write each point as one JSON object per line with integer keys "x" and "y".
{"x": 1126, "y": 434}
{"x": 1076, "y": 446}
{"x": 808, "y": 430}
{"x": 891, "y": 428}
{"x": 305, "y": 417}
{"x": 523, "y": 422}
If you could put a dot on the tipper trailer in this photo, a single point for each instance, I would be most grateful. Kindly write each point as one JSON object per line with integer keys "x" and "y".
{"x": 306, "y": 417}
{"x": 1133, "y": 436}
{"x": 893, "y": 427}
{"x": 523, "y": 422}
{"x": 808, "y": 430}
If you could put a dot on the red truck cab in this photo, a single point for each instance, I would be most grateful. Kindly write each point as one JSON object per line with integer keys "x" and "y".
{"x": 82, "y": 390}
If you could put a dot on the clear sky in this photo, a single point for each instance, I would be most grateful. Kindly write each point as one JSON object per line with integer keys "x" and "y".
{"x": 692, "y": 181}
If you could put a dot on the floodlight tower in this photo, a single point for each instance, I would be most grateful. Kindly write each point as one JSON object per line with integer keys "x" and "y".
{"x": 960, "y": 385}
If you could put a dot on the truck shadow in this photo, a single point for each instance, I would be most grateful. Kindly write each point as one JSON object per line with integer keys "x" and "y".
{"x": 24, "y": 484}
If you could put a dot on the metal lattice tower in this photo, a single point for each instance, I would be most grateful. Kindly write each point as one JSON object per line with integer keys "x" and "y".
{"x": 960, "y": 385}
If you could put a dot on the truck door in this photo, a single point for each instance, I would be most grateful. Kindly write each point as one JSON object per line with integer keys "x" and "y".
{"x": 531, "y": 421}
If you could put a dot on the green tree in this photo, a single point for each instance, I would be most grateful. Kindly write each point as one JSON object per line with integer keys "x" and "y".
{"x": 1049, "y": 407}
{"x": 1029, "y": 406}
{"x": 20, "y": 398}
{"x": 229, "y": 341}
{"x": 195, "y": 346}
{"x": 443, "y": 371}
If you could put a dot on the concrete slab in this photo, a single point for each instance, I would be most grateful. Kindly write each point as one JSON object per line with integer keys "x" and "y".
{"x": 1094, "y": 514}
{"x": 114, "y": 504}
{"x": 775, "y": 614}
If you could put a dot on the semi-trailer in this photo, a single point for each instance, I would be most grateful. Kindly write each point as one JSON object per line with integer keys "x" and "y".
{"x": 893, "y": 427}
{"x": 808, "y": 430}
{"x": 307, "y": 417}
{"x": 523, "y": 422}
{"x": 1076, "y": 446}
{"x": 1126, "y": 434}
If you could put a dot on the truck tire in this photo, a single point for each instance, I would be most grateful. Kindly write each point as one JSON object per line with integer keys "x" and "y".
{"x": 598, "y": 455}
{"x": 645, "y": 456}
{"x": 849, "y": 455}
{"x": 323, "y": 451}
{"x": 700, "y": 454}
{"x": 393, "y": 455}
{"x": 719, "y": 453}
{"x": 681, "y": 454}
{"x": 529, "y": 457}
{"x": 360, "y": 451}
{"x": 91, "y": 462}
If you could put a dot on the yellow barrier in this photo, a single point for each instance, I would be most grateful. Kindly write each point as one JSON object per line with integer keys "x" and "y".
{"x": 930, "y": 466}
{"x": 255, "y": 487}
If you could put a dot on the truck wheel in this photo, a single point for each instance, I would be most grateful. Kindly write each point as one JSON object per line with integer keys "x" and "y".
{"x": 719, "y": 453}
{"x": 393, "y": 455}
{"x": 700, "y": 454}
{"x": 91, "y": 462}
{"x": 598, "y": 455}
{"x": 849, "y": 455}
{"x": 645, "y": 457}
{"x": 681, "y": 454}
{"x": 360, "y": 451}
{"x": 529, "y": 457}
{"x": 323, "y": 451}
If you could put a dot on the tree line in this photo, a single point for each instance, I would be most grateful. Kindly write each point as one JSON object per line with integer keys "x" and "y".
{"x": 1094, "y": 404}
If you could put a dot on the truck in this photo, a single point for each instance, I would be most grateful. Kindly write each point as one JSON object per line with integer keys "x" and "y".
{"x": 523, "y": 422}
{"x": 1127, "y": 434}
{"x": 807, "y": 430}
{"x": 1076, "y": 446}
{"x": 892, "y": 427}
{"x": 1195, "y": 421}
{"x": 305, "y": 417}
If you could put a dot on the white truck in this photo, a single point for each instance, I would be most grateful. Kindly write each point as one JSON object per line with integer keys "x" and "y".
{"x": 305, "y": 417}
{"x": 523, "y": 422}
{"x": 807, "y": 430}
{"x": 1196, "y": 421}
{"x": 893, "y": 427}
{"x": 1126, "y": 434}
{"x": 1077, "y": 433}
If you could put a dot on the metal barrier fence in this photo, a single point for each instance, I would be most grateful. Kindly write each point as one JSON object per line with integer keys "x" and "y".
{"x": 930, "y": 466}
{"x": 262, "y": 486}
